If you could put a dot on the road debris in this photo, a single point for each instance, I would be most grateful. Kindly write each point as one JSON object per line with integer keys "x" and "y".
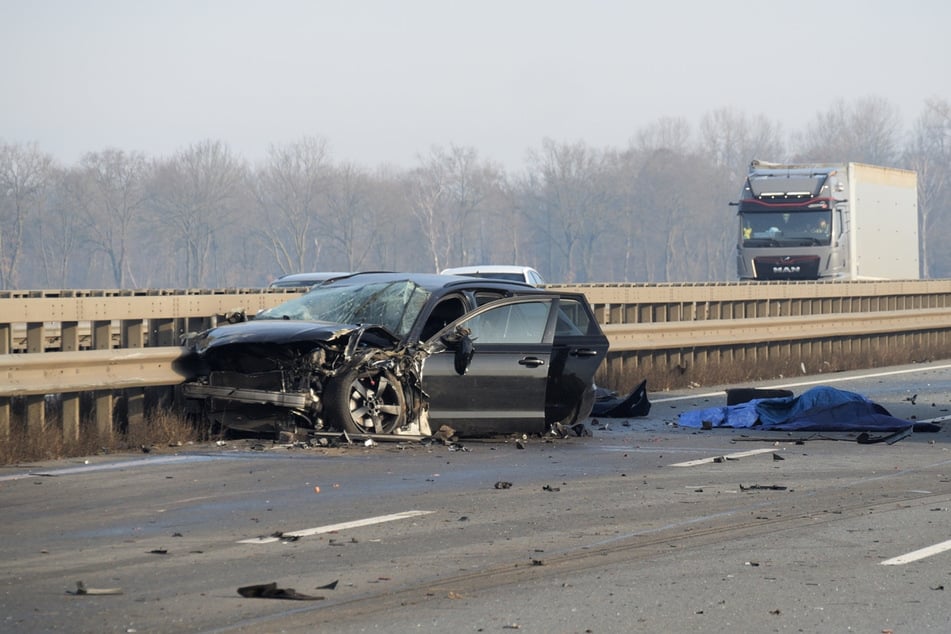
{"x": 271, "y": 591}
{"x": 501, "y": 484}
{"x": 82, "y": 590}
{"x": 763, "y": 487}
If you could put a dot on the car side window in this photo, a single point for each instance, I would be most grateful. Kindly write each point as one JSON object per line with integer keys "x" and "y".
{"x": 573, "y": 319}
{"x": 484, "y": 297}
{"x": 445, "y": 312}
{"x": 514, "y": 323}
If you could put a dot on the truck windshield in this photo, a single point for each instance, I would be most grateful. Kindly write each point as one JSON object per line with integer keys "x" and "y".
{"x": 785, "y": 229}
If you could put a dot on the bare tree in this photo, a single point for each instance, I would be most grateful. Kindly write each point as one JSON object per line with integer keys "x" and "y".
{"x": 58, "y": 236}
{"x": 108, "y": 193}
{"x": 730, "y": 140}
{"x": 929, "y": 154}
{"x": 290, "y": 191}
{"x": 671, "y": 133}
{"x": 572, "y": 205}
{"x": 24, "y": 183}
{"x": 195, "y": 193}
{"x": 352, "y": 226}
{"x": 864, "y": 132}
{"x": 447, "y": 192}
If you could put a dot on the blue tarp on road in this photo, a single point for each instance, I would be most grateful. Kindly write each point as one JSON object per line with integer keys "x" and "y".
{"x": 818, "y": 409}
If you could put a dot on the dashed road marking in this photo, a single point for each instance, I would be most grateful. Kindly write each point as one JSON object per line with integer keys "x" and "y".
{"x": 915, "y": 555}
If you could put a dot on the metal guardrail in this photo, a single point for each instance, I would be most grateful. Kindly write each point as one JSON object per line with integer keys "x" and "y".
{"x": 672, "y": 334}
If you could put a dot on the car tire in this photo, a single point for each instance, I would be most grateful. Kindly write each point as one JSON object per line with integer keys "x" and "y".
{"x": 366, "y": 401}
{"x": 735, "y": 396}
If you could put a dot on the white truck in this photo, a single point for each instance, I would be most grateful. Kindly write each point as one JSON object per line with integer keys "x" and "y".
{"x": 827, "y": 221}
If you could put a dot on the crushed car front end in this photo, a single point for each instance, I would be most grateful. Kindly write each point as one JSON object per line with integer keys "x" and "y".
{"x": 288, "y": 369}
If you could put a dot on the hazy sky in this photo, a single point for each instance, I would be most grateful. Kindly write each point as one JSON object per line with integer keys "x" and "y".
{"x": 383, "y": 81}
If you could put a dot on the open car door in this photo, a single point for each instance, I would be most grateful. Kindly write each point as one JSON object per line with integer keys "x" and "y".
{"x": 504, "y": 386}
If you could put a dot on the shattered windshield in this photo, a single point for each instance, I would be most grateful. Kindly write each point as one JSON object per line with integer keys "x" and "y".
{"x": 394, "y": 305}
{"x": 779, "y": 229}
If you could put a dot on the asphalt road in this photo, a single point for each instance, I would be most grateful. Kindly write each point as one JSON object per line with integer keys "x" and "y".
{"x": 641, "y": 527}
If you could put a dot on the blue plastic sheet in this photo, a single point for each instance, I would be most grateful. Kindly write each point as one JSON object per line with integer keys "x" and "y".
{"x": 817, "y": 409}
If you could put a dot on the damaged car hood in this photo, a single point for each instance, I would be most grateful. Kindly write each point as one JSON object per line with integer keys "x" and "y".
{"x": 277, "y": 332}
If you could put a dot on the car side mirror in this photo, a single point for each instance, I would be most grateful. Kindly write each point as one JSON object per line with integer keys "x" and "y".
{"x": 462, "y": 347}
{"x": 463, "y": 355}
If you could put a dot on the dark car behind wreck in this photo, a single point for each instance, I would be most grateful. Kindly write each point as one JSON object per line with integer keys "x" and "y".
{"x": 397, "y": 353}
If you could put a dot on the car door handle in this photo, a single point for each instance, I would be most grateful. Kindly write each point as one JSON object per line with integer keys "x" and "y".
{"x": 531, "y": 362}
{"x": 583, "y": 352}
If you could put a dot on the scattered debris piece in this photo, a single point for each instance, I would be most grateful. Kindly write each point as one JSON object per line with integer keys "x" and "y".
{"x": 776, "y": 456}
{"x": 454, "y": 595}
{"x": 81, "y": 589}
{"x": 445, "y": 433}
{"x": 158, "y": 551}
{"x": 330, "y": 586}
{"x": 501, "y": 484}
{"x": 580, "y": 429}
{"x": 548, "y": 487}
{"x": 762, "y": 487}
{"x": 608, "y": 404}
{"x": 271, "y": 591}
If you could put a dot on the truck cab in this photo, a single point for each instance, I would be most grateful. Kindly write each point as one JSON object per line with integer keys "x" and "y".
{"x": 792, "y": 224}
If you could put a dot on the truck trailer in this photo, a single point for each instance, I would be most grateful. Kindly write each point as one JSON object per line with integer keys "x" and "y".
{"x": 827, "y": 221}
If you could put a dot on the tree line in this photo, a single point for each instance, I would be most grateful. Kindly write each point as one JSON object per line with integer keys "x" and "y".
{"x": 655, "y": 210}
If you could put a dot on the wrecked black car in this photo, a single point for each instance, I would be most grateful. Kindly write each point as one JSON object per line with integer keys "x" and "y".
{"x": 402, "y": 354}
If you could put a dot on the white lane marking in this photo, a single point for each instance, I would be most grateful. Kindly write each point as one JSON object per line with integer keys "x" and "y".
{"x": 330, "y": 528}
{"x": 840, "y": 379}
{"x": 731, "y": 456}
{"x": 915, "y": 555}
{"x": 108, "y": 466}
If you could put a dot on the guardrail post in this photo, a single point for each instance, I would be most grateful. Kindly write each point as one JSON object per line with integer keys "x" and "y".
{"x": 102, "y": 340}
{"x": 35, "y": 404}
{"x": 69, "y": 342}
{"x": 6, "y": 343}
{"x": 132, "y": 335}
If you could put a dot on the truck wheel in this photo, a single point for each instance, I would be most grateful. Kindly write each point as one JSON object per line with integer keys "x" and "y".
{"x": 366, "y": 401}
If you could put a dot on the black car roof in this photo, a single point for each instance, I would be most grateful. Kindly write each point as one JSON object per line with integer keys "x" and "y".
{"x": 433, "y": 282}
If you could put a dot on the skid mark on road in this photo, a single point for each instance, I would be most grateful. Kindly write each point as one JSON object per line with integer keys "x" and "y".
{"x": 330, "y": 528}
